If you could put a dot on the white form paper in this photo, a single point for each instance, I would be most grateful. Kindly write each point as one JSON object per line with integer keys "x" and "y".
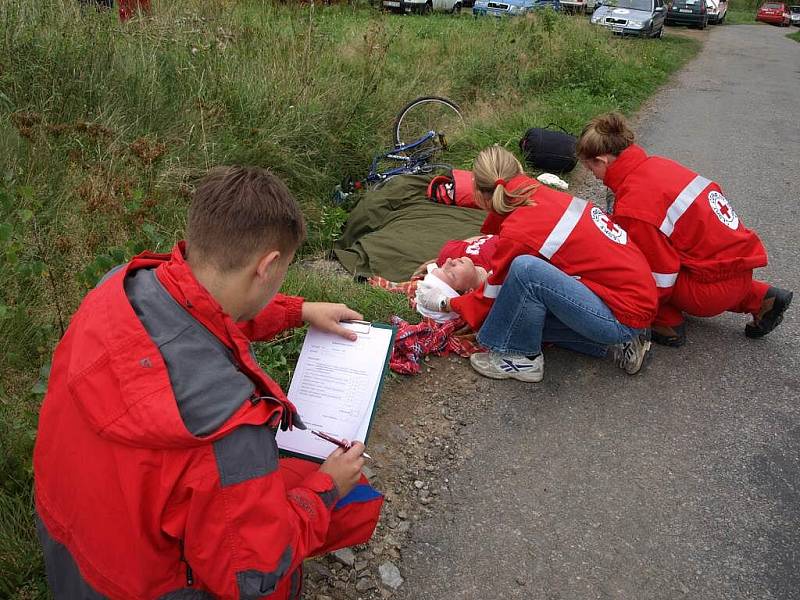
{"x": 335, "y": 386}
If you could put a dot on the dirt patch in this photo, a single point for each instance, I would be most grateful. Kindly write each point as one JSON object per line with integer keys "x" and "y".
{"x": 415, "y": 445}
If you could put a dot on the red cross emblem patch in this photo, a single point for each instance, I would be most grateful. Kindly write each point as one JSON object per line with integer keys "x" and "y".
{"x": 723, "y": 209}
{"x": 604, "y": 223}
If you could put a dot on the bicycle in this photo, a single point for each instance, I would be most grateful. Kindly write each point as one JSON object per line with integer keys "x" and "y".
{"x": 425, "y": 121}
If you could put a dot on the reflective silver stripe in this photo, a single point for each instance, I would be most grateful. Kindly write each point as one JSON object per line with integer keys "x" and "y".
{"x": 682, "y": 203}
{"x": 665, "y": 280}
{"x": 563, "y": 228}
{"x": 491, "y": 291}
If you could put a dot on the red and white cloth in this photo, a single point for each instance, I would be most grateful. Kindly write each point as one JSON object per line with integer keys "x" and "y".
{"x": 414, "y": 342}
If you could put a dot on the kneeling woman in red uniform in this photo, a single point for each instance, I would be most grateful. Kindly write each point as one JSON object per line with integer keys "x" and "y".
{"x": 700, "y": 253}
{"x": 561, "y": 273}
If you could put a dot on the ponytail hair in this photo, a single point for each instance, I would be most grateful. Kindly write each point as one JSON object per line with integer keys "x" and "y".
{"x": 494, "y": 167}
{"x": 605, "y": 134}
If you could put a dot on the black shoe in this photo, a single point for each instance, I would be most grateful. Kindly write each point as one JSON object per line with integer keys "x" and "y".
{"x": 773, "y": 317}
{"x": 674, "y": 341}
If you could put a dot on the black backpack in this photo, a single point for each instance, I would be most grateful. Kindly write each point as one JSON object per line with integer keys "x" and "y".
{"x": 549, "y": 149}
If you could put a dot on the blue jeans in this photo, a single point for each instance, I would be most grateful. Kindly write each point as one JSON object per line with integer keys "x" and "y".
{"x": 540, "y": 303}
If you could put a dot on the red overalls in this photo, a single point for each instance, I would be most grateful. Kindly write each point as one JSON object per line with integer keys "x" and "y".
{"x": 700, "y": 253}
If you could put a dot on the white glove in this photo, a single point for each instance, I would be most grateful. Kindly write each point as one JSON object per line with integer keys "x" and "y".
{"x": 430, "y": 297}
{"x": 553, "y": 181}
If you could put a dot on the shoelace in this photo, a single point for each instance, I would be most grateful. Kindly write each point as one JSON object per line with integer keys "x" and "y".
{"x": 624, "y": 355}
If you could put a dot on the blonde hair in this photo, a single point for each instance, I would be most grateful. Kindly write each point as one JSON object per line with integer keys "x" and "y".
{"x": 494, "y": 167}
{"x": 605, "y": 134}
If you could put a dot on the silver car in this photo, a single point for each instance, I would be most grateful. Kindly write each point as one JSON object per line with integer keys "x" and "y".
{"x": 632, "y": 17}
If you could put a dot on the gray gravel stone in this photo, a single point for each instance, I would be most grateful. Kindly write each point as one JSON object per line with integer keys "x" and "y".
{"x": 345, "y": 556}
{"x": 390, "y": 575}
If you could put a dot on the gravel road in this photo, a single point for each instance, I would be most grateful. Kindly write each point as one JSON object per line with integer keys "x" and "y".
{"x": 684, "y": 481}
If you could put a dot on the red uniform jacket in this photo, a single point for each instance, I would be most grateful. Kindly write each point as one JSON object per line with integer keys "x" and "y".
{"x": 680, "y": 220}
{"x": 157, "y": 476}
{"x": 481, "y": 251}
{"x": 581, "y": 241}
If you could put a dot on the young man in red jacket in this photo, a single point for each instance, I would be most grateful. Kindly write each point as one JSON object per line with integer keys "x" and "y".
{"x": 700, "y": 253}
{"x": 156, "y": 468}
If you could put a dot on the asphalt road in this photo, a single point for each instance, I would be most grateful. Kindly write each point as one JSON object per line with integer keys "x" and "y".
{"x": 681, "y": 482}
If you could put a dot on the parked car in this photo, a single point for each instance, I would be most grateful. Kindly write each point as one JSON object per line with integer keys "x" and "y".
{"x": 501, "y": 8}
{"x": 688, "y": 12}
{"x": 552, "y": 4}
{"x": 716, "y": 9}
{"x": 632, "y": 17}
{"x": 794, "y": 15}
{"x": 774, "y": 12}
{"x": 422, "y": 6}
{"x": 577, "y": 6}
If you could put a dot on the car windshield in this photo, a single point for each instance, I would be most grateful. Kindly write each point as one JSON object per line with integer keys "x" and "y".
{"x": 771, "y": 5}
{"x": 646, "y": 5}
{"x": 795, "y": 9}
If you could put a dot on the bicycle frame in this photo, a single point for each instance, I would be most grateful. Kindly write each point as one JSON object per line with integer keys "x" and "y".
{"x": 410, "y": 164}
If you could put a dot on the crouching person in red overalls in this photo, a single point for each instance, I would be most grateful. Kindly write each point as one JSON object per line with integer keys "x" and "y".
{"x": 700, "y": 253}
{"x": 156, "y": 468}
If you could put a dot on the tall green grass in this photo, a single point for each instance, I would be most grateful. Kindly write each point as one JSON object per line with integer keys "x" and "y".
{"x": 104, "y": 128}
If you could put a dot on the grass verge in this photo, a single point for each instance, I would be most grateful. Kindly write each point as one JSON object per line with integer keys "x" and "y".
{"x": 104, "y": 127}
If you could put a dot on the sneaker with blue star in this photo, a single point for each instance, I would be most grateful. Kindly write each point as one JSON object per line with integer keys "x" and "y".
{"x": 509, "y": 366}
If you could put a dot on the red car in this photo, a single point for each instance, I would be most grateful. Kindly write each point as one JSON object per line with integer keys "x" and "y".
{"x": 774, "y": 12}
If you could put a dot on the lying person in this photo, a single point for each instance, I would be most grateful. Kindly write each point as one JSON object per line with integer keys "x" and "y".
{"x": 700, "y": 253}
{"x": 561, "y": 272}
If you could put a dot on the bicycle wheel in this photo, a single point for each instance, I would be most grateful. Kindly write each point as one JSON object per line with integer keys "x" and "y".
{"x": 428, "y": 113}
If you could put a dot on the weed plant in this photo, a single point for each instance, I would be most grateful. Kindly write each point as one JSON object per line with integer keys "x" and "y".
{"x": 105, "y": 127}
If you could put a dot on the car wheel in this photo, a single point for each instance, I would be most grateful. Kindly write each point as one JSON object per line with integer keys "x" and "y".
{"x": 457, "y": 8}
{"x": 427, "y": 9}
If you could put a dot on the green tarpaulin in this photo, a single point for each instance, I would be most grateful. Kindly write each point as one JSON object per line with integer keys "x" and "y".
{"x": 394, "y": 229}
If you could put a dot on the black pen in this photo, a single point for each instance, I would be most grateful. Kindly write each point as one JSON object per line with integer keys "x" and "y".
{"x": 340, "y": 443}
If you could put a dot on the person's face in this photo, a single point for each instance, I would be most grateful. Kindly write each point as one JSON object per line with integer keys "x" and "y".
{"x": 598, "y": 165}
{"x": 458, "y": 273}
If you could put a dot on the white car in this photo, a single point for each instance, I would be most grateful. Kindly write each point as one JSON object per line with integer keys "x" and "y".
{"x": 794, "y": 15}
{"x": 717, "y": 9}
{"x": 422, "y": 6}
{"x": 578, "y": 6}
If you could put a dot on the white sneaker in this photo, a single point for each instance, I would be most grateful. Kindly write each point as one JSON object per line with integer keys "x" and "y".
{"x": 508, "y": 366}
{"x": 630, "y": 356}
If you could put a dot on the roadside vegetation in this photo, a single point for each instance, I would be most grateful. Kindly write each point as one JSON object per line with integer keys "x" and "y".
{"x": 742, "y": 12}
{"x": 794, "y": 36}
{"x": 105, "y": 127}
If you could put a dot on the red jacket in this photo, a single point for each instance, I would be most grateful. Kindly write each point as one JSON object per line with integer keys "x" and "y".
{"x": 156, "y": 476}
{"x": 680, "y": 220}
{"x": 581, "y": 241}
{"x": 480, "y": 251}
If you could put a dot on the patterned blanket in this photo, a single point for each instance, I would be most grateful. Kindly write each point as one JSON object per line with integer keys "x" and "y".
{"x": 414, "y": 342}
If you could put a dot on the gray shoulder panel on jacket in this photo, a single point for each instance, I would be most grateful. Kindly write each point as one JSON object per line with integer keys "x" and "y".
{"x": 247, "y": 452}
{"x": 205, "y": 380}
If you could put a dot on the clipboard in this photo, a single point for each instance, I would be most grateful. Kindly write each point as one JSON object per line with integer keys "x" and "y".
{"x": 336, "y": 387}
